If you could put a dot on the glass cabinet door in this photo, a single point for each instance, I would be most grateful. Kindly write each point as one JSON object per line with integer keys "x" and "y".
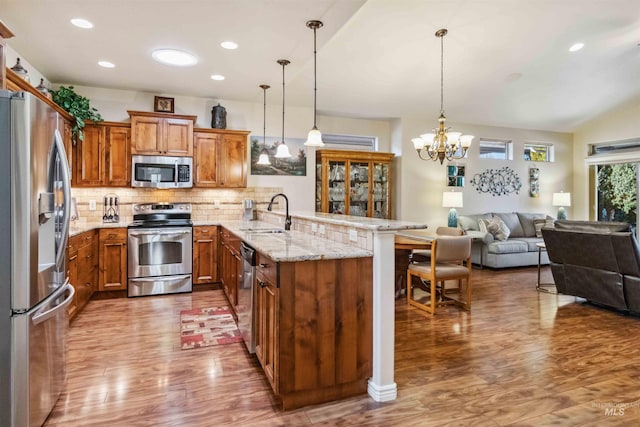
{"x": 359, "y": 189}
{"x": 380, "y": 182}
{"x": 338, "y": 186}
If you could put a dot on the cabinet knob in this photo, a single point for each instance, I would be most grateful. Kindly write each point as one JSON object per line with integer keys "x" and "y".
{"x": 262, "y": 284}
{"x": 263, "y": 265}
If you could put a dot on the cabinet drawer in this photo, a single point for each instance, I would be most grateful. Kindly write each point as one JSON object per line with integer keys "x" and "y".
{"x": 107, "y": 234}
{"x": 267, "y": 268}
{"x": 205, "y": 231}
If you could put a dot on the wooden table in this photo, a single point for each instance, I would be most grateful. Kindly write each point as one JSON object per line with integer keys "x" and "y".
{"x": 405, "y": 242}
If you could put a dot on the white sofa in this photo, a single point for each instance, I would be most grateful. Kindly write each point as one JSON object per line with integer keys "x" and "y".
{"x": 519, "y": 249}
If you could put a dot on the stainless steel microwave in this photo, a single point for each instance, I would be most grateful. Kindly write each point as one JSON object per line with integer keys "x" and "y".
{"x": 161, "y": 171}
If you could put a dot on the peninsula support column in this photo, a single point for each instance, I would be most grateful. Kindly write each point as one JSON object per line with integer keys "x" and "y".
{"x": 382, "y": 386}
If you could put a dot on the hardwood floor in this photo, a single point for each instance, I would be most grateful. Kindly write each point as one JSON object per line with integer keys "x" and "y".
{"x": 520, "y": 357}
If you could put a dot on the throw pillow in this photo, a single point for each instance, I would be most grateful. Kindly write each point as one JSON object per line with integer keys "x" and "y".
{"x": 482, "y": 225}
{"x": 498, "y": 228}
{"x": 538, "y": 223}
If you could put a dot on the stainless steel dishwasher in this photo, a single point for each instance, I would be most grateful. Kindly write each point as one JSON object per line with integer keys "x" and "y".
{"x": 246, "y": 297}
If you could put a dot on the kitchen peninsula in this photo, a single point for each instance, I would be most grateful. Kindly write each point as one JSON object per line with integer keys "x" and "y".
{"x": 377, "y": 236}
{"x": 327, "y": 303}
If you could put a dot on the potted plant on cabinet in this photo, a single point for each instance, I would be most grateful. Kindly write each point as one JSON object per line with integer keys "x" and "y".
{"x": 78, "y": 106}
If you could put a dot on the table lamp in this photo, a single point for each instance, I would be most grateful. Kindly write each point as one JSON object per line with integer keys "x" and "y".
{"x": 453, "y": 200}
{"x": 561, "y": 200}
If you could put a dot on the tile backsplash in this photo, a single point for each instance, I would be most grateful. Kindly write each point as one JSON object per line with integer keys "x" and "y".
{"x": 207, "y": 204}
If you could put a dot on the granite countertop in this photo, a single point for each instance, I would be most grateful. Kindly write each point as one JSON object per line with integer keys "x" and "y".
{"x": 375, "y": 224}
{"x": 290, "y": 246}
{"x": 76, "y": 229}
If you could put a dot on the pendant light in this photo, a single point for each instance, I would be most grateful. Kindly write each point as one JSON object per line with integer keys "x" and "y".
{"x": 442, "y": 144}
{"x": 314, "y": 139}
{"x": 283, "y": 150}
{"x": 264, "y": 154}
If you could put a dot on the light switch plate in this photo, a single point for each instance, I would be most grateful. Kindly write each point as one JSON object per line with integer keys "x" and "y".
{"x": 353, "y": 235}
{"x": 92, "y": 205}
{"x": 314, "y": 227}
{"x": 321, "y": 229}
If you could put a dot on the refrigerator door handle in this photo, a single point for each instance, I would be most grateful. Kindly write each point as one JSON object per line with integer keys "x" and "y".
{"x": 46, "y": 313}
{"x": 66, "y": 191}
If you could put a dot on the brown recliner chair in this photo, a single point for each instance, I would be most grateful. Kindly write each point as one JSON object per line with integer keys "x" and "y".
{"x": 598, "y": 261}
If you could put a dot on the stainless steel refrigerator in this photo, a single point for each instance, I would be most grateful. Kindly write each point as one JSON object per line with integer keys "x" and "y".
{"x": 35, "y": 199}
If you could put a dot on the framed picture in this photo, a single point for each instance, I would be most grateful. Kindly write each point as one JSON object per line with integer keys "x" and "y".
{"x": 295, "y": 165}
{"x": 455, "y": 175}
{"x": 163, "y": 105}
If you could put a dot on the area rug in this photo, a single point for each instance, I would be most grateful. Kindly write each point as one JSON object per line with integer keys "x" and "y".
{"x": 206, "y": 327}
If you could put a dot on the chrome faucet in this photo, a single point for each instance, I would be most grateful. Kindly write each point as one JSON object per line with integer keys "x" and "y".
{"x": 287, "y": 220}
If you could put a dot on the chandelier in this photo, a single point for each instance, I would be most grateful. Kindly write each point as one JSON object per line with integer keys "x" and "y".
{"x": 442, "y": 144}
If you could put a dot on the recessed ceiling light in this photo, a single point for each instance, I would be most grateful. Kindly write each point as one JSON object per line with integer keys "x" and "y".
{"x": 174, "y": 57}
{"x": 106, "y": 64}
{"x": 82, "y": 23}
{"x": 229, "y": 45}
{"x": 217, "y": 77}
{"x": 576, "y": 47}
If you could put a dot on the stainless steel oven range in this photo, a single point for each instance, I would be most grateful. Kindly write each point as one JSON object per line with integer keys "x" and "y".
{"x": 160, "y": 254}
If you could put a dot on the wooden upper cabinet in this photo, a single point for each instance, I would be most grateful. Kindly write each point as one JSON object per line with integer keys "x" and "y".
{"x": 161, "y": 134}
{"x": 220, "y": 158}
{"x": 103, "y": 159}
{"x": 233, "y": 158}
{"x": 90, "y": 156}
{"x": 206, "y": 165}
{"x": 118, "y": 159}
{"x": 5, "y": 34}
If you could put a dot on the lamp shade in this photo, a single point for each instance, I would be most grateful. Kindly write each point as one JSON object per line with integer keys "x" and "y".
{"x": 561, "y": 199}
{"x": 451, "y": 199}
{"x": 282, "y": 151}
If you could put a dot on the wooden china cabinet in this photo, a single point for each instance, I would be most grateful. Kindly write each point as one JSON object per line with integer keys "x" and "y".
{"x": 354, "y": 183}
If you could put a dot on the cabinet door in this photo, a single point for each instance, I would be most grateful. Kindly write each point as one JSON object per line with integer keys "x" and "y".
{"x": 118, "y": 158}
{"x": 233, "y": 158}
{"x": 381, "y": 191}
{"x": 72, "y": 271}
{"x": 113, "y": 259}
{"x": 146, "y": 135}
{"x": 205, "y": 159}
{"x": 205, "y": 255}
{"x": 336, "y": 188}
{"x": 178, "y": 137}
{"x": 90, "y": 157}
{"x": 266, "y": 329}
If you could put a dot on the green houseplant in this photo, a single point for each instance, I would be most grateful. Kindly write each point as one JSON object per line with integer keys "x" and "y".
{"x": 78, "y": 106}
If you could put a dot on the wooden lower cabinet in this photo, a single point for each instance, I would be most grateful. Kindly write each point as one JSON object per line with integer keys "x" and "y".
{"x": 231, "y": 266}
{"x": 113, "y": 259}
{"x": 315, "y": 328}
{"x": 205, "y": 254}
{"x": 82, "y": 266}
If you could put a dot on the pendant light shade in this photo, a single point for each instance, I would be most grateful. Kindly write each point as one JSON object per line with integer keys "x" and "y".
{"x": 264, "y": 154}
{"x": 283, "y": 150}
{"x": 314, "y": 139}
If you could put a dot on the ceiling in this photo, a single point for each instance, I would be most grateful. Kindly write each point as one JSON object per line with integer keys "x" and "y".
{"x": 506, "y": 62}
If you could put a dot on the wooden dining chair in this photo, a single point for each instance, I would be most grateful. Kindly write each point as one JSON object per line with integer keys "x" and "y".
{"x": 450, "y": 260}
{"x": 423, "y": 255}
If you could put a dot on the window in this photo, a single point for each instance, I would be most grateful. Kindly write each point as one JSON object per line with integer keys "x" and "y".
{"x": 538, "y": 152}
{"x": 350, "y": 142}
{"x": 496, "y": 149}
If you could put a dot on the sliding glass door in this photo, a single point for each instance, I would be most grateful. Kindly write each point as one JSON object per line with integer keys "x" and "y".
{"x": 617, "y": 192}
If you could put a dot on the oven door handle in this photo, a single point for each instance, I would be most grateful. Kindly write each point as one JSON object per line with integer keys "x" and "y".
{"x": 161, "y": 279}
{"x": 158, "y": 233}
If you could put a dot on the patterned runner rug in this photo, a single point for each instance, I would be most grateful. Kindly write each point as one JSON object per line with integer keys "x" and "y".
{"x": 204, "y": 327}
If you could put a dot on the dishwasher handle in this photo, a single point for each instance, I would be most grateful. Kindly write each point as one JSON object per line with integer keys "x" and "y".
{"x": 248, "y": 253}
